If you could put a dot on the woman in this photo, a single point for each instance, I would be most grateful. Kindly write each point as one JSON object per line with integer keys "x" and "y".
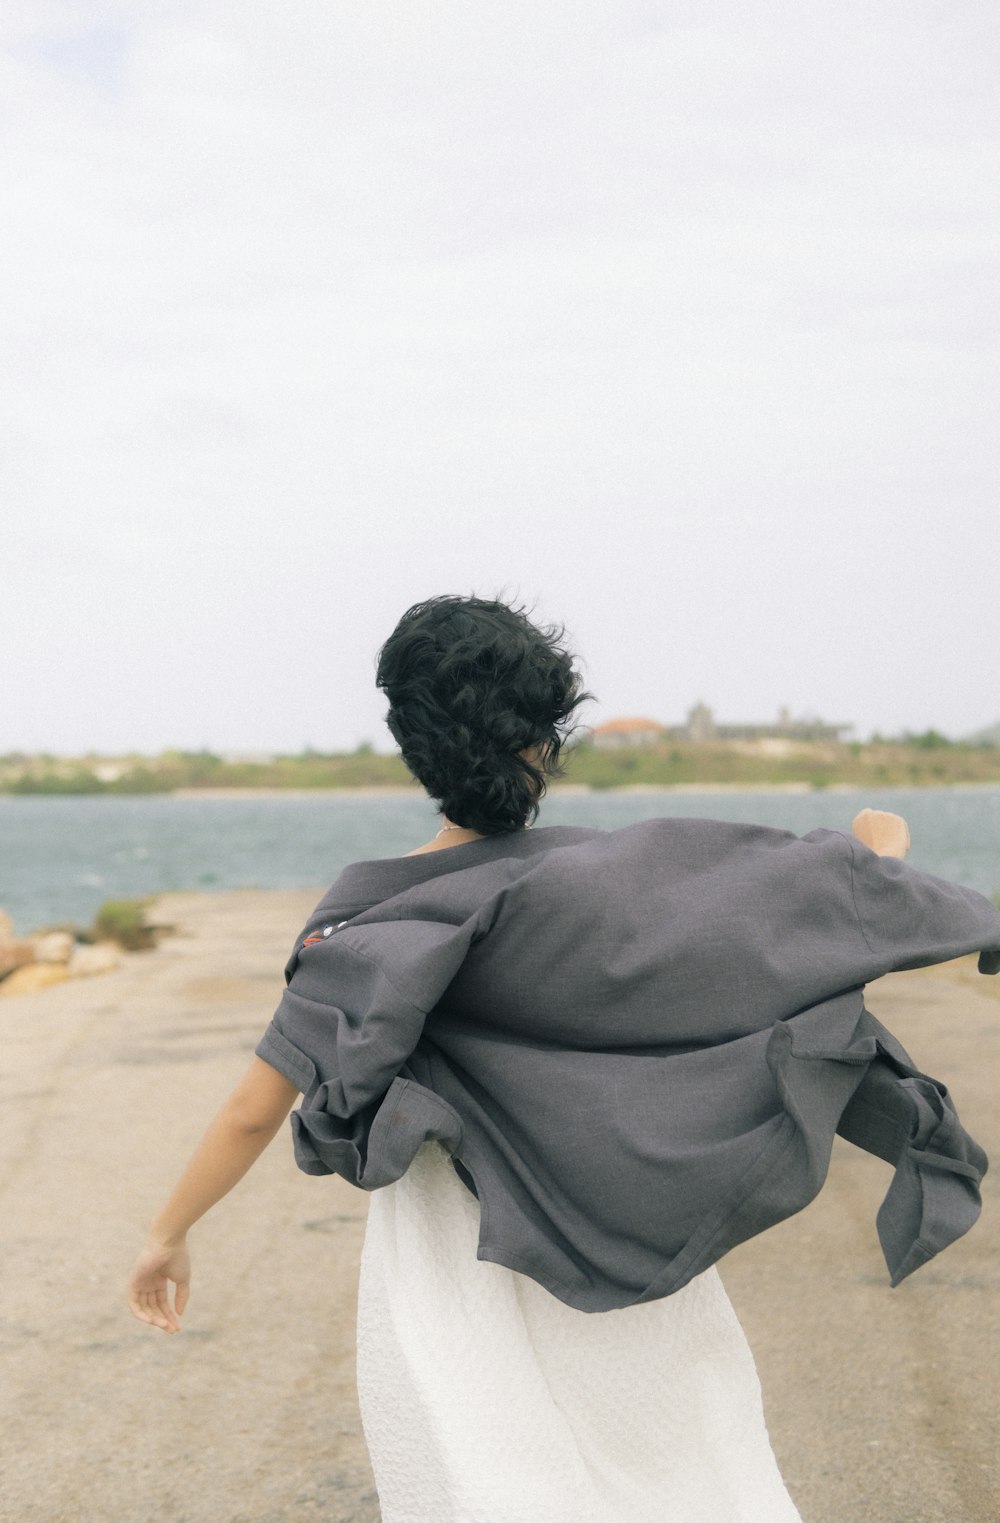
{"x": 576, "y": 1067}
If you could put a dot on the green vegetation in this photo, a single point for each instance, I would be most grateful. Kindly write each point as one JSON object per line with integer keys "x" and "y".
{"x": 880, "y": 764}
{"x": 52, "y": 779}
{"x": 202, "y": 770}
{"x": 930, "y": 740}
{"x": 913, "y": 761}
{"x": 124, "y": 921}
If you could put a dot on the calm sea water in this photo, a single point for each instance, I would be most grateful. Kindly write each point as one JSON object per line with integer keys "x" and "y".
{"x": 60, "y": 858}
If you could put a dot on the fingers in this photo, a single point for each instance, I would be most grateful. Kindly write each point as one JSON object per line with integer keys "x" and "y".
{"x": 152, "y": 1306}
{"x": 149, "y": 1294}
{"x": 146, "y": 1309}
{"x": 165, "y": 1312}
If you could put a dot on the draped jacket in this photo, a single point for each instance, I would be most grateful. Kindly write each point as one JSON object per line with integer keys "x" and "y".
{"x": 637, "y": 1045}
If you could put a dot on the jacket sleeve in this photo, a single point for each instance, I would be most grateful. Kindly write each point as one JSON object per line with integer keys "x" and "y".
{"x": 351, "y": 1015}
{"x": 911, "y": 919}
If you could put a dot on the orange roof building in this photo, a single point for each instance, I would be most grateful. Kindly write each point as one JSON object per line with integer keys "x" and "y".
{"x": 628, "y": 732}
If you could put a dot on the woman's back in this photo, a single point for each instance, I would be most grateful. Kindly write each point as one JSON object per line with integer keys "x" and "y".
{"x": 638, "y": 1044}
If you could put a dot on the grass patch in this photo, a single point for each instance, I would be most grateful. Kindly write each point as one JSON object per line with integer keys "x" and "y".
{"x": 124, "y": 921}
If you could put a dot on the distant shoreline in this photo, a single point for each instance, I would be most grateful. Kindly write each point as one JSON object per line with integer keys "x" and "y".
{"x": 558, "y": 790}
{"x": 569, "y": 790}
{"x": 681, "y": 767}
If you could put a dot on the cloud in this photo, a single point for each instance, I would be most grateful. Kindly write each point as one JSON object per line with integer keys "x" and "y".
{"x": 665, "y": 308}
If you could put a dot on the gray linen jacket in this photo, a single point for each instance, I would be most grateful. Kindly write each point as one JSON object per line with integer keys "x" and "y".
{"x": 637, "y": 1045}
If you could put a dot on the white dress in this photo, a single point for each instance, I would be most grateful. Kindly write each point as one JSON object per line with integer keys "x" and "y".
{"x": 486, "y": 1400}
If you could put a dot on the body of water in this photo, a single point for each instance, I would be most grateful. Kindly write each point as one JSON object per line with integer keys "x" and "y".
{"x": 60, "y": 858}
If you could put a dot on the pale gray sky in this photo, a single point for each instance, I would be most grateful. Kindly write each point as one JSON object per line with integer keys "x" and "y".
{"x": 678, "y": 319}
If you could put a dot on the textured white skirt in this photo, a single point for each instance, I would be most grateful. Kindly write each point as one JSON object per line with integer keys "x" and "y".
{"x": 486, "y": 1400}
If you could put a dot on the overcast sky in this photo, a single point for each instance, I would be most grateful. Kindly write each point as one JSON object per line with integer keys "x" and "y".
{"x": 677, "y": 320}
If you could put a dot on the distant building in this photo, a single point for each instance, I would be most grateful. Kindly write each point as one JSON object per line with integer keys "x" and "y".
{"x": 701, "y": 726}
{"x": 109, "y": 772}
{"x": 621, "y": 734}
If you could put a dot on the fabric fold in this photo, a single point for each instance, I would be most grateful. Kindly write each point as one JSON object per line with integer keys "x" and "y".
{"x": 375, "y": 1146}
{"x": 908, "y": 1119}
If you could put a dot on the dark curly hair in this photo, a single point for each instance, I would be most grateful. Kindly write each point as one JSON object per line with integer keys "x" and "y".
{"x": 471, "y": 685}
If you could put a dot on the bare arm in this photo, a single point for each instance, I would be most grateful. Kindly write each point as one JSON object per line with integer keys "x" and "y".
{"x": 886, "y": 834}
{"x": 235, "y": 1140}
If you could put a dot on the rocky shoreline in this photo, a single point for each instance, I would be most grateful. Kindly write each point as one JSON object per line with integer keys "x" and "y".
{"x": 30, "y": 963}
{"x": 57, "y": 953}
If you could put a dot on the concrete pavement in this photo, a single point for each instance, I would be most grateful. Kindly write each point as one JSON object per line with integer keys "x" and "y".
{"x": 883, "y": 1405}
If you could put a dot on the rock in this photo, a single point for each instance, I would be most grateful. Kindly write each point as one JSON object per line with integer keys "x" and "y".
{"x": 33, "y": 976}
{"x": 14, "y": 954}
{"x": 6, "y": 927}
{"x": 54, "y": 946}
{"x": 102, "y": 957}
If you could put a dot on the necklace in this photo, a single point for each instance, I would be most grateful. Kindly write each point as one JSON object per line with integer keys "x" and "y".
{"x": 464, "y": 827}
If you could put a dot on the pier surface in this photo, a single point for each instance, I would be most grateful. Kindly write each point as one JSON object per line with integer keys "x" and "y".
{"x": 883, "y": 1405}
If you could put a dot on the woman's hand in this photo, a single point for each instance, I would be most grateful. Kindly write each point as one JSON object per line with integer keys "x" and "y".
{"x": 149, "y": 1284}
{"x": 236, "y": 1138}
{"x": 887, "y": 834}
